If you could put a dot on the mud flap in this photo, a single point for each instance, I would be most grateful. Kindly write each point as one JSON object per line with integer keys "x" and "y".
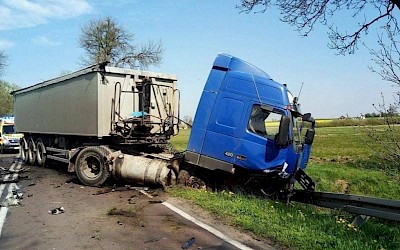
{"x": 304, "y": 180}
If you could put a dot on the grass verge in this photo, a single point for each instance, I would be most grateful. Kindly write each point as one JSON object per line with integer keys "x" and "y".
{"x": 296, "y": 226}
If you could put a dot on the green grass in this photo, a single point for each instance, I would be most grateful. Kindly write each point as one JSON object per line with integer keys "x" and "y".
{"x": 334, "y": 167}
{"x": 296, "y": 226}
{"x": 338, "y": 177}
{"x": 340, "y": 143}
{"x": 180, "y": 141}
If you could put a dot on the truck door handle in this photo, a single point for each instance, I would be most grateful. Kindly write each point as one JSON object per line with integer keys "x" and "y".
{"x": 241, "y": 157}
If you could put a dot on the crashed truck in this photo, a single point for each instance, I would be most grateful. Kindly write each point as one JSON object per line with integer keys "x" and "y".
{"x": 112, "y": 122}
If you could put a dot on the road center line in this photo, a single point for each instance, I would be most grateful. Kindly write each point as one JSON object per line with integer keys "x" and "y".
{"x": 210, "y": 229}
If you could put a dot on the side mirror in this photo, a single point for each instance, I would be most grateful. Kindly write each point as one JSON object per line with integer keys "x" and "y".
{"x": 283, "y": 136}
{"x": 307, "y": 117}
{"x": 309, "y": 138}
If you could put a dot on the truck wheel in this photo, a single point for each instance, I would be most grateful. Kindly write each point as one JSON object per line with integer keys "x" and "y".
{"x": 91, "y": 166}
{"x": 40, "y": 152}
{"x": 31, "y": 152}
{"x": 22, "y": 151}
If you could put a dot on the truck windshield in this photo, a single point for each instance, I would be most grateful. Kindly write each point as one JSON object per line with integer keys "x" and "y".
{"x": 8, "y": 129}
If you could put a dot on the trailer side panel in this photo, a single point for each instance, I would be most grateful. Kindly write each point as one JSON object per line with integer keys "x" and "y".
{"x": 68, "y": 107}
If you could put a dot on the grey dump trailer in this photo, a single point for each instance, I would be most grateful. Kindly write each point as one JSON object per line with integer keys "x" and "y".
{"x": 100, "y": 121}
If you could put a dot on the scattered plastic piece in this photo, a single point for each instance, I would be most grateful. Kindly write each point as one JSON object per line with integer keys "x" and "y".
{"x": 17, "y": 193}
{"x": 189, "y": 243}
{"x": 11, "y": 201}
{"x": 58, "y": 210}
{"x": 152, "y": 240}
{"x": 155, "y": 201}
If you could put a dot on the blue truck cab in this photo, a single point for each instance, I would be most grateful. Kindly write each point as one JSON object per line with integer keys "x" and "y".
{"x": 246, "y": 121}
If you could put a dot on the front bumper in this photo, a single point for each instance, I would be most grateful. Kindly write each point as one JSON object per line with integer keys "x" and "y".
{"x": 11, "y": 144}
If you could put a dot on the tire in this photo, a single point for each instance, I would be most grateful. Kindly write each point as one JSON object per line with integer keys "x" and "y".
{"x": 23, "y": 151}
{"x": 31, "y": 152}
{"x": 91, "y": 166}
{"x": 40, "y": 153}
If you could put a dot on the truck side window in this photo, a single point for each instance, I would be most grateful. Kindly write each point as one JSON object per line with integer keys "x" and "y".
{"x": 264, "y": 123}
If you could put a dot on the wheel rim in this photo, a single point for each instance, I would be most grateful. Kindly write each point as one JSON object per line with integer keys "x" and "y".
{"x": 24, "y": 151}
{"x": 40, "y": 155}
{"x": 92, "y": 167}
{"x": 31, "y": 152}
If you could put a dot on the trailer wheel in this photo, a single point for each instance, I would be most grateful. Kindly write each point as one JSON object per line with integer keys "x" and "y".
{"x": 40, "y": 152}
{"x": 31, "y": 152}
{"x": 23, "y": 152}
{"x": 91, "y": 166}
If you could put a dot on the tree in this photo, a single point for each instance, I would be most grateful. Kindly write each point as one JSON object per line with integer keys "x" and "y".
{"x": 3, "y": 64}
{"x": 6, "y": 99}
{"x": 188, "y": 119}
{"x": 104, "y": 40}
{"x": 304, "y": 14}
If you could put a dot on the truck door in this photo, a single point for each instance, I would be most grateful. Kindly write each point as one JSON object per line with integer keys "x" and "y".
{"x": 258, "y": 149}
{"x": 223, "y": 132}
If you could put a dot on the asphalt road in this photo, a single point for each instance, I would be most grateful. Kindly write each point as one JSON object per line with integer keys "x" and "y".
{"x": 103, "y": 218}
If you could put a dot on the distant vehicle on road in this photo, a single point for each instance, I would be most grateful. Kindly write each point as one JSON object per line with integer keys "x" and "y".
{"x": 9, "y": 139}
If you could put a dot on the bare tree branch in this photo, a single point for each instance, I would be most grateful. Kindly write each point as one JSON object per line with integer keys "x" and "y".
{"x": 387, "y": 59}
{"x": 305, "y": 14}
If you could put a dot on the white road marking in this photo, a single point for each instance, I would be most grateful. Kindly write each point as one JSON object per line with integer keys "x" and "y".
{"x": 3, "y": 214}
{"x": 4, "y": 210}
{"x": 210, "y": 229}
{"x": 201, "y": 224}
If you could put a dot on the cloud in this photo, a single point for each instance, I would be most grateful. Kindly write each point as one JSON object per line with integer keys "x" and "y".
{"x": 5, "y": 44}
{"x": 23, "y": 13}
{"x": 44, "y": 40}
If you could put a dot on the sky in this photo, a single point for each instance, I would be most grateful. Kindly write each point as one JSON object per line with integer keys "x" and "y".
{"x": 40, "y": 39}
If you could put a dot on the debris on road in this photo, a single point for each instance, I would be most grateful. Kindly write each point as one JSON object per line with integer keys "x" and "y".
{"x": 145, "y": 193}
{"x": 120, "y": 189}
{"x": 152, "y": 240}
{"x": 56, "y": 211}
{"x": 18, "y": 194}
{"x": 4, "y": 171}
{"x": 189, "y": 243}
{"x": 14, "y": 199}
{"x": 9, "y": 181}
{"x": 155, "y": 201}
{"x": 10, "y": 201}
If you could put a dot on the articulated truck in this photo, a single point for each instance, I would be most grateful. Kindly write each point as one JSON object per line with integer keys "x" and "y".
{"x": 108, "y": 122}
